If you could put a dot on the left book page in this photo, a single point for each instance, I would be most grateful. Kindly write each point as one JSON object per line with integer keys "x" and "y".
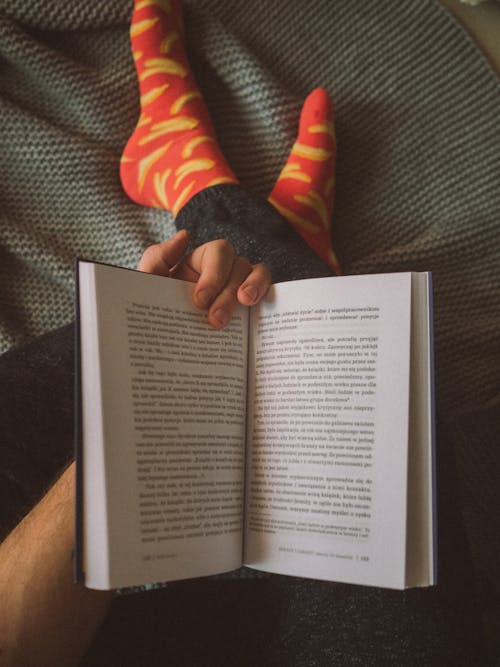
{"x": 161, "y": 457}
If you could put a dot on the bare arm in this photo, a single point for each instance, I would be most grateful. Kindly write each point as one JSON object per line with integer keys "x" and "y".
{"x": 45, "y": 618}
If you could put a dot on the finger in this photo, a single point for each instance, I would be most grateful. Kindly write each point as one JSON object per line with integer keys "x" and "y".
{"x": 256, "y": 286}
{"x": 160, "y": 258}
{"x": 213, "y": 262}
{"x": 222, "y": 308}
{"x": 185, "y": 272}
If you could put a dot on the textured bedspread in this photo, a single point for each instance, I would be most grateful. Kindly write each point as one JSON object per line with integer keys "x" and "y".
{"x": 418, "y": 183}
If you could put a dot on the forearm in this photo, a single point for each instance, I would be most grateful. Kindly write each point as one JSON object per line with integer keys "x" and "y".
{"x": 46, "y": 619}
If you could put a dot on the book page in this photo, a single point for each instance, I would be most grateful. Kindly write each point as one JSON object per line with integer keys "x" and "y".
{"x": 174, "y": 401}
{"x": 328, "y": 429}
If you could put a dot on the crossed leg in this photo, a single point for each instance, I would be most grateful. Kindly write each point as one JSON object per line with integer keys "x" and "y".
{"x": 173, "y": 153}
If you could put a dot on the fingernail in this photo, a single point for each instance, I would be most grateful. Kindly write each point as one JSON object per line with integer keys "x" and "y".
{"x": 252, "y": 292}
{"x": 204, "y": 297}
{"x": 221, "y": 316}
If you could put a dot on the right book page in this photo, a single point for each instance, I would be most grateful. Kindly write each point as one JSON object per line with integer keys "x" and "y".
{"x": 328, "y": 420}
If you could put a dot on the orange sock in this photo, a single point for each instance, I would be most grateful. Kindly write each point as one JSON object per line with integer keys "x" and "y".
{"x": 304, "y": 191}
{"x": 173, "y": 152}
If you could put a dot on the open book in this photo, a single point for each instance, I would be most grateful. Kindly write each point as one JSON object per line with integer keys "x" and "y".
{"x": 298, "y": 440}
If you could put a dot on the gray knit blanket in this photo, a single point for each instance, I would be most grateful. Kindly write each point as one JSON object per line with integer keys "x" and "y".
{"x": 418, "y": 182}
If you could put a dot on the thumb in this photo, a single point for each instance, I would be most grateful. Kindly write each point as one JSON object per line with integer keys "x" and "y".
{"x": 162, "y": 257}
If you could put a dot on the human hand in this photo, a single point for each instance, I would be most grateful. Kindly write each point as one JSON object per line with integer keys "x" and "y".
{"x": 222, "y": 278}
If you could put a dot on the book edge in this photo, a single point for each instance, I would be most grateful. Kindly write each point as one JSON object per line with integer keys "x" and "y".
{"x": 78, "y": 569}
